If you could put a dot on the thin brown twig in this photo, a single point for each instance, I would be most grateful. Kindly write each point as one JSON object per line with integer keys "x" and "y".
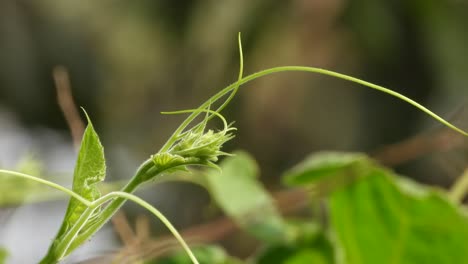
{"x": 123, "y": 229}
{"x": 418, "y": 146}
{"x": 67, "y": 104}
{"x": 441, "y": 139}
{"x": 142, "y": 228}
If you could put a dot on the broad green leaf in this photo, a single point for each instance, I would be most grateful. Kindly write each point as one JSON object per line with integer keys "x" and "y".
{"x": 204, "y": 254}
{"x": 238, "y": 192}
{"x": 323, "y": 165}
{"x": 383, "y": 219}
{"x": 90, "y": 169}
{"x": 3, "y": 255}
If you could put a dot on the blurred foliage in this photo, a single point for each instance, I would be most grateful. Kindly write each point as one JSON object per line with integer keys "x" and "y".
{"x": 205, "y": 255}
{"x": 311, "y": 245}
{"x": 379, "y": 221}
{"x": 254, "y": 209}
{"x": 3, "y": 255}
{"x": 384, "y": 218}
{"x": 15, "y": 191}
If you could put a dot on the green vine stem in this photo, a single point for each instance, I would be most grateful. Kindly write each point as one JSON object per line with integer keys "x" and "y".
{"x": 112, "y": 207}
{"x": 256, "y": 75}
{"x": 48, "y": 183}
{"x": 69, "y": 238}
{"x": 233, "y": 89}
{"x": 69, "y": 243}
{"x": 154, "y": 211}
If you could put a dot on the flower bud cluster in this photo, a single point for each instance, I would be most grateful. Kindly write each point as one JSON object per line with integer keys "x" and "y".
{"x": 195, "y": 147}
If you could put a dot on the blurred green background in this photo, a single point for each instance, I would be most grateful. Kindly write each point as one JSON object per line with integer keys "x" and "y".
{"x": 129, "y": 60}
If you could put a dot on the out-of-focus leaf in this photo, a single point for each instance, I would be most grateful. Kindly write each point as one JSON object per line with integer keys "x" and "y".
{"x": 309, "y": 246}
{"x": 3, "y": 255}
{"x": 322, "y": 165}
{"x": 305, "y": 256}
{"x": 204, "y": 254}
{"x": 30, "y": 165}
{"x": 90, "y": 169}
{"x": 242, "y": 197}
{"x": 15, "y": 191}
{"x": 382, "y": 219}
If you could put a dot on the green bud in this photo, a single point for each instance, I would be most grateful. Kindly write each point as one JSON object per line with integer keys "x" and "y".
{"x": 205, "y": 147}
{"x": 196, "y": 147}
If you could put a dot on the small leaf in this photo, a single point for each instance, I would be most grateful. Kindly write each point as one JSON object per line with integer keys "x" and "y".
{"x": 90, "y": 169}
{"x": 15, "y": 191}
{"x": 208, "y": 254}
{"x": 384, "y": 219}
{"x": 243, "y": 198}
{"x": 311, "y": 245}
{"x": 320, "y": 166}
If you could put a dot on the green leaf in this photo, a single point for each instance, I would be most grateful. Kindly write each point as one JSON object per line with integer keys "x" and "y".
{"x": 16, "y": 191}
{"x": 242, "y": 197}
{"x": 324, "y": 165}
{"x": 297, "y": 254}
{"x": 205, "y": 255}
{"x": 311, "y": 245}
{"x": 3, "y": 255}
{"x": 90, "y": 169}
{"x": 384, "y": 219}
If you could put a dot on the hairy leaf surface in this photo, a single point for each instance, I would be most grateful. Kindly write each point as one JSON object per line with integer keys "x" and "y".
{"x": 90, "y": 169}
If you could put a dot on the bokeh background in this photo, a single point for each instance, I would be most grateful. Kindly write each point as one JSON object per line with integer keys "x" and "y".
{"x": 130, "y": 60}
